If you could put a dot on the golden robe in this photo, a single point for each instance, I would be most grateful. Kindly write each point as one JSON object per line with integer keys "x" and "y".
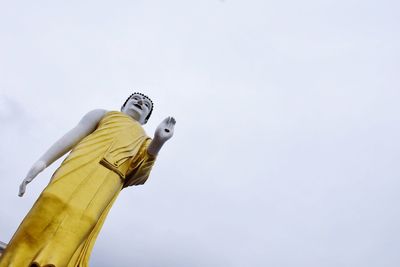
{"x": 62, "y": 226}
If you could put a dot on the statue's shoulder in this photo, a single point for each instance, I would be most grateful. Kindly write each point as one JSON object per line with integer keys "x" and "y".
{"x": 97, "y": 112}
{"x": 93, "y": 117}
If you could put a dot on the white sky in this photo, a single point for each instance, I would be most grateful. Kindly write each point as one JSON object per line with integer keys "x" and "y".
{"x": 287, "y": 140}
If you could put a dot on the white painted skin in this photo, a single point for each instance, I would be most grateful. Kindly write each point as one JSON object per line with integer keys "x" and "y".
{"x": 138, "y": 107}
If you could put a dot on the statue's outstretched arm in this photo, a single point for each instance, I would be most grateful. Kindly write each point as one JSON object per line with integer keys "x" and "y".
{"x": 164, "y": 132}
{"x": 85, "y": 127}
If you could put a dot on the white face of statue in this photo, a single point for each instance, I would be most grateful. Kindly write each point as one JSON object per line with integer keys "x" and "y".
{"x": 138, "y": 107}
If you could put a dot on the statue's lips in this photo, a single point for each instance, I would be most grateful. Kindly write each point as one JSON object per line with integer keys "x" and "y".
{"x": 138, "y": 106}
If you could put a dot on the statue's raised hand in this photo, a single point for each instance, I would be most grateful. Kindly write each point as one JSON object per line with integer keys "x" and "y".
{"x": 38, "y": 167}
{"x": 165, "y": 130}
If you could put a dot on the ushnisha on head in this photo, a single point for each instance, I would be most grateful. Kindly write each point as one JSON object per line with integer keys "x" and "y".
{"x": 139, "y": 107}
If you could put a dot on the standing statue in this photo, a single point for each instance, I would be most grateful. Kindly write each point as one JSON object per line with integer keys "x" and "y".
{"x": 110, "y": 151}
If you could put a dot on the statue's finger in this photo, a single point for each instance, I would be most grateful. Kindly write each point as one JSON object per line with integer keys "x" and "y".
{"x": 171, "y": 122}
{"x": 21, "y": 189}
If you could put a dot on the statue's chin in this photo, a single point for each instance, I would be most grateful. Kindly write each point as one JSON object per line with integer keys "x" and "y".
{"x": 132, "y": 113}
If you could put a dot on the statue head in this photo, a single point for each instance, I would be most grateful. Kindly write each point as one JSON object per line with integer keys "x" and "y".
{"x": 138, "y": 106}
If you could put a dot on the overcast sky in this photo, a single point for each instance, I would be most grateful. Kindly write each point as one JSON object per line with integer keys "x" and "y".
{"x": 286, "y": 146}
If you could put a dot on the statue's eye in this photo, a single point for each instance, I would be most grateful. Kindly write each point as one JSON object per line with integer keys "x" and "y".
{"x": 147, "y": 105}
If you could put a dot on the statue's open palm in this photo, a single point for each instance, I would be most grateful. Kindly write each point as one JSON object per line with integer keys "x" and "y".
{"x": 38, "y": 167}
{"x": 165, "y": 129}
